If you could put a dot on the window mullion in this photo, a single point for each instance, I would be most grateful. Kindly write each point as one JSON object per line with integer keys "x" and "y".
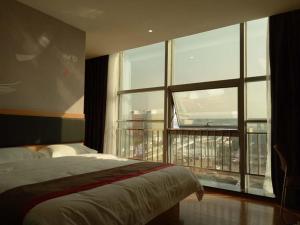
{"x": 167, "y": 105}
{"x": 241, "y": 108}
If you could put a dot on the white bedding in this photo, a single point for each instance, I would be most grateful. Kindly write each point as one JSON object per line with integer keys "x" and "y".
{"x": 132, "y": 201}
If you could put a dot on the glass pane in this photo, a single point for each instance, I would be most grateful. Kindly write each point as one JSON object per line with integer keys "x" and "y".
{"x": 207, "y": 108}
{"x": 213, "y": 155}
{"x": 142, "y": 106}
{"x": 220, "y": 179}
{"x": 140, "y": 140}
{"x": 256, "y": 100}
{"x": 257, "y": 156}
{"x": 255, "y": 185}
{"x": 254, "y": 127}
{"x": 257, "y": 148}
{"x": 257, "y": 59}
{"x": 143, "y": 67}
{"x": 208, "y": 56}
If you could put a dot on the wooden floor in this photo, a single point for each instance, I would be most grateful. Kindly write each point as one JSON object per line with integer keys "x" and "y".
{"x": 221, "y": 209}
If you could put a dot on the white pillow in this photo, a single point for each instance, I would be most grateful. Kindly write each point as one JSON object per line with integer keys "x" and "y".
{"x": 12, "y": 154}
{"x": 60, "y": 150}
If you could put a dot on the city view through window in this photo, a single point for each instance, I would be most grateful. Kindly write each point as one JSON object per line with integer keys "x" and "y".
{"x": 207, "y": 111}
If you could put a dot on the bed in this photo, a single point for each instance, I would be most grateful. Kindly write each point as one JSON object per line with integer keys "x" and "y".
{"x": 125, "y": 191}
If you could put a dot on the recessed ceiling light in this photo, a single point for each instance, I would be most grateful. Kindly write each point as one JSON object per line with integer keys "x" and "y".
{"x": 150, "y": 30}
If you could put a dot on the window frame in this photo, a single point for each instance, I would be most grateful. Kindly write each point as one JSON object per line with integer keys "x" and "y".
{"x": 169, "y": 88}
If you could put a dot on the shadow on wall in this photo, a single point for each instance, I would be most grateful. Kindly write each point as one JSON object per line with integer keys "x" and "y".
{"x": 41, "y": 61}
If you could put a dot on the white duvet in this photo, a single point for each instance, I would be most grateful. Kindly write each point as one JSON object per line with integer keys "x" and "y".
{"x": 132, "y": 201}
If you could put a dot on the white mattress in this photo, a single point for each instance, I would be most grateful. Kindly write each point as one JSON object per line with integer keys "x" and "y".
{"x": 132, "y": 201}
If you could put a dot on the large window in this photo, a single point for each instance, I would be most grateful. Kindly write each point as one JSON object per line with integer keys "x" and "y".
{"x": 257, "y": 143}
{"x": 256, "y": 100}
{"x": 206, "y": 111}
{"x": 142, "y": 106}
{"x": 141, "y": 103}
{"x": 143, "y": 67}
{"x": 209, "y": 56}
{"x": 207, "y": 108}
{"x": 257, "y": 51}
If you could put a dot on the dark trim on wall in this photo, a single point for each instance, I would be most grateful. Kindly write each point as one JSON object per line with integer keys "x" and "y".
{"x": 17, "y": 130}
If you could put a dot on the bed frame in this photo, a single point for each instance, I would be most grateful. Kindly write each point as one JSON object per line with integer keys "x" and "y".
{"x": 169, "y": 217}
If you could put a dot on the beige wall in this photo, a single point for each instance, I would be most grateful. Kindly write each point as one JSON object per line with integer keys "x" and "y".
{"x": 41, "y": 62}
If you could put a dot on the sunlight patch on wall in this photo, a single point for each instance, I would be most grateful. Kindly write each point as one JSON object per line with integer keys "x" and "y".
{"x": 35, "y": 47}
{"x": 77, "y": 106}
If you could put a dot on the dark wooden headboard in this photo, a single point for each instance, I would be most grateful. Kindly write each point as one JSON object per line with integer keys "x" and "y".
{"x": 17, "y": 130}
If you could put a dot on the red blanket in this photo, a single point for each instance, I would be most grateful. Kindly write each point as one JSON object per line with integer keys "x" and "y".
{"x": 15, "y": 203}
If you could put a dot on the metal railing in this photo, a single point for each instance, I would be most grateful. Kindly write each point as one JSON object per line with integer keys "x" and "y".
{"x": 142, "y": 144}
{"x": 256, "y": 153}
{"x": 212, "y": 149}
{"x": 208, "y": 149}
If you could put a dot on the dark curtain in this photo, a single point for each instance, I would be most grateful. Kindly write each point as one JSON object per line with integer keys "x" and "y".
{"x": 95, "y": 101}
{"x": 285, "y": 95}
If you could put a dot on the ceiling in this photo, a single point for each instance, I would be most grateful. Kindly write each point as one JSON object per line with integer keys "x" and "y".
{"x": 114, "y": 25}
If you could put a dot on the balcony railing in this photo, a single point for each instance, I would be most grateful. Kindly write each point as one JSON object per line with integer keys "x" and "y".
{"x": 256, "y": 153}
{"x": 142, "y": 144}
{"x": 212, "y": 149}
{"x": 204, "y": 149}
